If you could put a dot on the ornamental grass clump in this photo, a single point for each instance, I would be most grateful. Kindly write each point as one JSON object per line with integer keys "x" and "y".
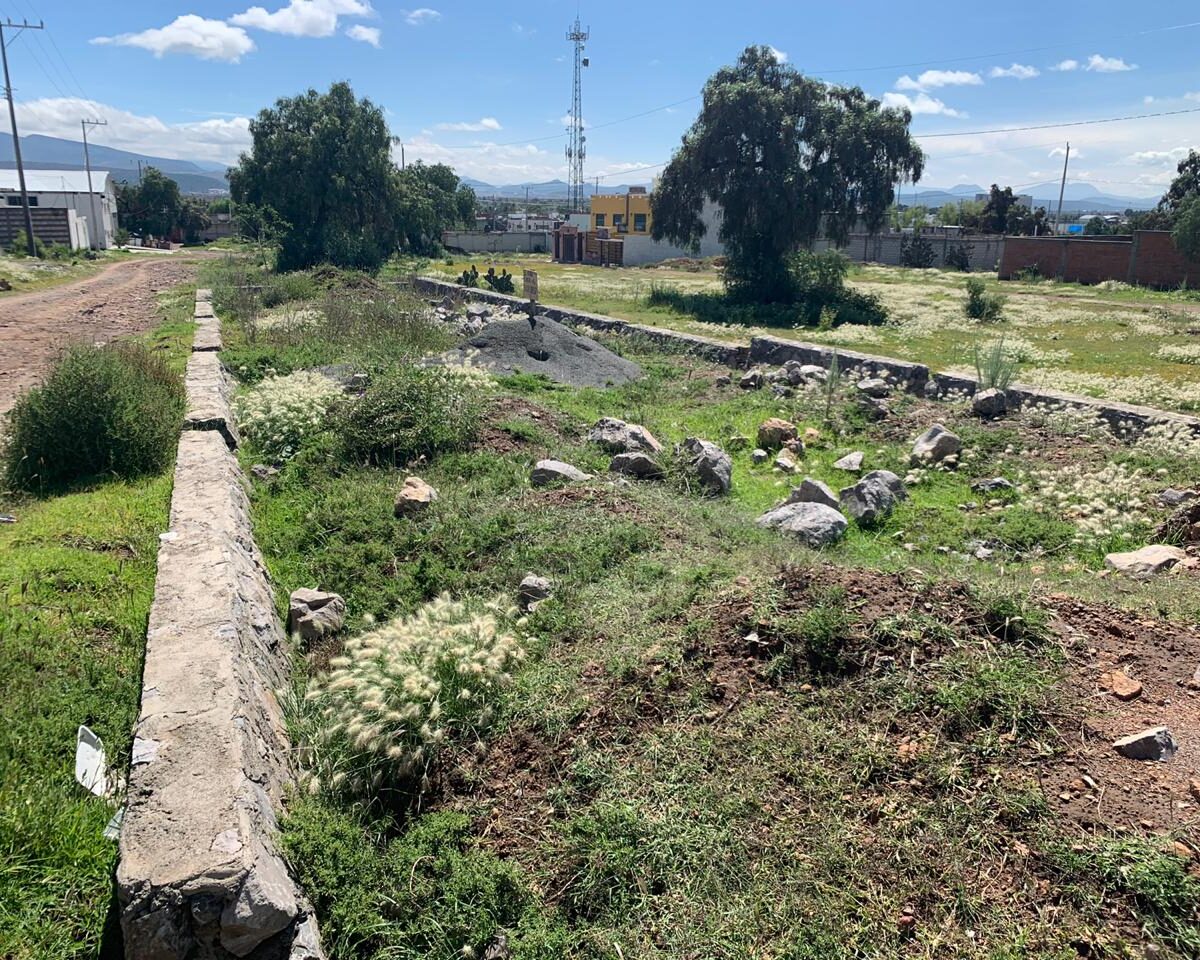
{"x": 108, "y": 410}
{"x": 403, "y": 692}
{"x": 279, "y": 414}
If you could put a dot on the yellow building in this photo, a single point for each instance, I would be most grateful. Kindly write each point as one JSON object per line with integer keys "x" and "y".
{"x": 622, "y": 213}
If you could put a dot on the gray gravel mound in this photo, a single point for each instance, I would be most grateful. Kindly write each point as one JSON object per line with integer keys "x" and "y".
{"x": 541, "y": 345}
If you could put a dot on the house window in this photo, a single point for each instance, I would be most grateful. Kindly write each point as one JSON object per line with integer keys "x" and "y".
{"x": 639, "y": 223}
{"x": 15, "y": 201}
{"x": 600, "y": 220}
{"x": 618, "y": 221}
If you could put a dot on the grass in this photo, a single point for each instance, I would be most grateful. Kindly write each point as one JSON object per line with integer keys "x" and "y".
{"x": 76, "y": 581}
{"x": 722, "y": 744}
{"x": 1081, "y": 339}
{"x": 28, "y": 275}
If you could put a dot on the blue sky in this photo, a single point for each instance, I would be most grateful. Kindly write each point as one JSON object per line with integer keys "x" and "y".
{"x": 485, "y": 86}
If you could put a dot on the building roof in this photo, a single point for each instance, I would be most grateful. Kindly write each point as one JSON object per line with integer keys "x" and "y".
{"x": 56, "y": 181}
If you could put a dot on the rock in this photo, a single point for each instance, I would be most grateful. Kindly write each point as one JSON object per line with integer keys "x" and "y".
{"x": 1182, "y": 526}
{"x": 786, "y": 461}
{"x": 265, "y": 904}
{"x": 851, "y": 462}
{"x": 414, "y": 497}
{"x": 724, "y": 380}
{"x": 811, "y": 434}
{"x": 738, "y": 442}
{"x": 816, "y": 524}
{"x": 1123, "y": 686}
{"x": 1176, "y": 498}
{"x": 260, "y": 471}
{"x": 1145, "y": 562}
{"x": 711, "y": 465}
{"x": 813, "y": 491}
{"x": 992, "y": 485}
{"x": 314, "y": 613}
{"x": 813, "y": 374}
{"x": 934, "y": 445}
{"x": 775, "y": 432}
{"x": 547, "y": 472}
{"x": 759, "y": 456}
{"x": 617, "y": 436}
{"x": 932, "y": 390}
{"x": 1153, "y": 743}
{"x": 875, "y": 387}
{"x": 990, "y": 404}
{"x": 782, "y": 391}
{"x": 874, "y": 408}
{"x": 752, "y": 380}
{"x": 637, "y": 465}
{"x": 873, "y": 497}
{"x": 478, "y": 310}
{"x": 532, "y": 591}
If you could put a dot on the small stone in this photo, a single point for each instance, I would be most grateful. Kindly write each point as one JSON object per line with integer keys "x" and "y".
{"x": 1153, "y": 743}
{"x": 1145, "y": 562}
{"x": 811, "y": 434}
{"x": 752, "y": 380}
{"x": 786, "y": 461}
{"x": 1176, "y": 498}
{"x": 1123, "y": 686}
{"x": 989, "y": 404}
{"x": 759, "y": 456}
{"x": 532, "y": 591}
{"x": 813, "y": 491}
{"x": 873, "y": 497}
{"x": 617, "y": 436}
{"x": 851, "y": 462}
{"x": 711, "y": 465}
{"x": 546, "y": 472}
{"x": 932, "y": 390}
{"x": 738, "y": 442}
{"x": 774, "y": 433}
{"x": 815, "y": 524}
{"x": 992, "y": 485}
{"x": 934, "y": 445}
{"x": 260, "y": 471}
{"x": 723, "y": 381}
{"x": 414, "y": 497}
{"x": 637, "y": 465}
{"x": 315, "y": 613}
{"x": 478, "y": 310}
{"x": 875, "y": 387}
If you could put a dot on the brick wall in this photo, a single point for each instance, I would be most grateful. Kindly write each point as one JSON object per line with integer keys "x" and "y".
{"x": 50, "y": 224}
{"x": 1148, "y": 258}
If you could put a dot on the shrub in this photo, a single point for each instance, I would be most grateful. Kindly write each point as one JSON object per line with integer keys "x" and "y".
{"x": 281, "y": 412}
{"x": 403, "y": 691}
{"x": 20, "y": 246}
{"x": 113, "y": 409}
{"x": 819, "y": 283}
{"x": 413, "y": 411}
{"x": 501, "y": 282}
{"x": 958, "y": 256}
{"x": 981, "y": 305}
{"x": 916, "y": 252}
{"x": 470, "y": 278}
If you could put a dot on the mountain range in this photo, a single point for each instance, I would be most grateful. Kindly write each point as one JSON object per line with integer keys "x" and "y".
{"x": 1078, "y": 197}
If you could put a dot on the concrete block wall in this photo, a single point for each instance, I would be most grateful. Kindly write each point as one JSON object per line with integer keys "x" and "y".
{"x": 985, "y": 252}
{"x": 200, "y": 875}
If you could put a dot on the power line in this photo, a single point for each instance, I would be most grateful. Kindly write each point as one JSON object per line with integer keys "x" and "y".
{"x": 1055, "y": 126}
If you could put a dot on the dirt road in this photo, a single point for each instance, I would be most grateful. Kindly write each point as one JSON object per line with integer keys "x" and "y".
{"x": 119, "y": 300}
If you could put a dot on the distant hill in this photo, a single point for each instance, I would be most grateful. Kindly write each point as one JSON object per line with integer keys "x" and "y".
{"x": 1078, "y": 197}
{"x": 552, "y": 190}
{"x": 53, "y": 153}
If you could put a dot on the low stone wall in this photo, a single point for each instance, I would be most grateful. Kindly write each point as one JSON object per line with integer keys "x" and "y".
{"x": 777, "y": 351}
{"x": 200, "y": 875}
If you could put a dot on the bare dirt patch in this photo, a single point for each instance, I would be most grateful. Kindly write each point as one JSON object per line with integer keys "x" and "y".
{"x": 118, "y": 301}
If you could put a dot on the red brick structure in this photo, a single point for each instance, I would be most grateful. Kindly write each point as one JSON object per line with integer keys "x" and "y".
{"x": 1147, "y": 258}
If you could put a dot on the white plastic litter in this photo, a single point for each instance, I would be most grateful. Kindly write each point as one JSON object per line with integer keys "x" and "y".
{"x": 113, "y": 830}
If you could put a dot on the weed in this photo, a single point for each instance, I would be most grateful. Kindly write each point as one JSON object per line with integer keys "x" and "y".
{"x": 981, "y": 305}
{"x": 994, "y": 367}
{"x": 1013, "y": 617}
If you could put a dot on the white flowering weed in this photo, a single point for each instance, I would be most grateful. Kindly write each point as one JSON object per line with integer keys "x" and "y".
{"x": 1102, "y": 504}
{"x": 280, "y": 412}
{"x": 402, "y": 691}
{"x": 1169, "y": 439}
{"x": 1179, "y": 352}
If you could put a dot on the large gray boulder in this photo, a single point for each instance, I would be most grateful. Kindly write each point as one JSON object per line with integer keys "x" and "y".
{"x": 617, "y": 436}
{"x": 934, "y": 445}
{"x": 813, "y": 491}
{"x": 638, "y": 465}
{"x": 548, "y": 472}
{"x": 1146, "y": 562}
{"x": 712, "y": 466}
{"x": 873, "y": 497}
{"x": 815, "y": 524}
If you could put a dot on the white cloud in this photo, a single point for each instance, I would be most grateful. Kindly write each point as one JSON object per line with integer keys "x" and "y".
{"x": 1158, "y": 158}
{"x": 779, "y": 55}
{"x": 921, "y": 103}
{"x": 1066, "y": 66}
{"x": 189, "y": 34}
{"x": 420, "y": 16}
{"x": 1100, "y": 64}
{"x": 932, "y": 79}
{"x": 363, "y": 34}
{"x": 1017, "y": 71}
{"x": 485, "y": 123}
{"x": 219, "y": 140}
{"x": 1076, "y": 154}
{"x": 1192, "y": 96}
{"x": 1147, "y": 100}
{"x": 302, "y": 18}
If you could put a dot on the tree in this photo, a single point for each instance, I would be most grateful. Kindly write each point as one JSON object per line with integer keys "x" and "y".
{"x": 1185, "y": 185}
{"x": 430, "y": 199}
{"x": 783, "y": 155}
{"x": 1023, "y": 222}
{"x": 1186, "y": 233}
{"x": 322, "y": 163}
{"x": 194, "y": 219}
{"x": 1099, "y": 227}
{"x": 153, "y": 206}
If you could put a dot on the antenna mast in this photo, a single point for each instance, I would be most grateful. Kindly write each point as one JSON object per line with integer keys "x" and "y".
{"x": 577, "y": 144}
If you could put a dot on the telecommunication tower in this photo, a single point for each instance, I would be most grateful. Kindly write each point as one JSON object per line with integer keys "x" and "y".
{"x": 577, "y": 141}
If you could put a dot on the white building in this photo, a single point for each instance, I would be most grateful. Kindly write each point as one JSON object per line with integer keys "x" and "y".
{"x": 68, "y": 189}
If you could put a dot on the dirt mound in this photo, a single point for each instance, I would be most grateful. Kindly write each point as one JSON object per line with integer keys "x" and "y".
{"x": 543, "y": 346}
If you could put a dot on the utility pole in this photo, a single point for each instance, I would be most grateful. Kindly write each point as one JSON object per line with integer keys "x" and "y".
{"x": 577, "y": 145}
{"x": 12, "y": 116}
{"x": 1062, "y": 187}
{"x": 93, "y": 235}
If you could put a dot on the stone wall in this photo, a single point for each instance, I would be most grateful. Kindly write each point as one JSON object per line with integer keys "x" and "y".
{"x": 200, "y": 875}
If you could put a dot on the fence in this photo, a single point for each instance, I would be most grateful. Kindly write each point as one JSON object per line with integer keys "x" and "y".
{"x": 983, "y": 252}
{"x": 479, "y": 241}
{"x": 1147, "y": 258}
